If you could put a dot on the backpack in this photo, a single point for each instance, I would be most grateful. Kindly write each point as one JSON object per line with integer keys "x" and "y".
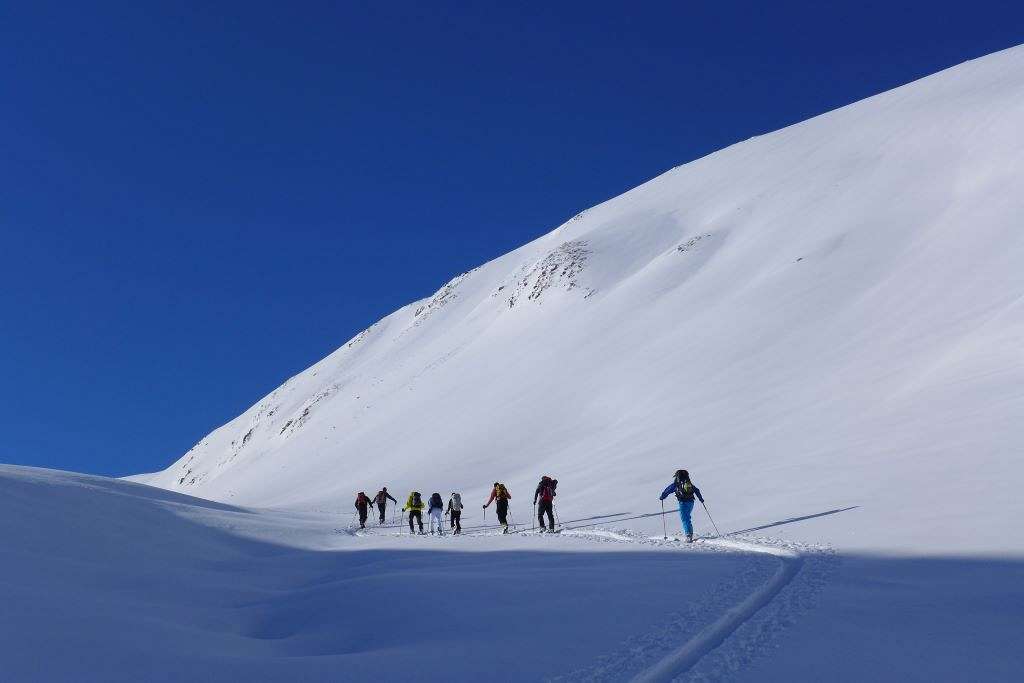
{"x": 547, "y": 490}
{"x": 456, "y": 502}
{"x": 417, "y": 502}
{"x": 502, "y": 492}
{"x": 436, "y": 502}
{"x": 684, "y": 490}
{"x": 361, "y": 500}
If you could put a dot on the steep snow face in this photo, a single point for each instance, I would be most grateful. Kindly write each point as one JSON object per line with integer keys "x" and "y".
{"x": 827, "y": 317}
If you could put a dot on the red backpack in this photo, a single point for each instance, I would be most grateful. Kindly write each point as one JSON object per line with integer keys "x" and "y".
{"x": 547, "y": 490}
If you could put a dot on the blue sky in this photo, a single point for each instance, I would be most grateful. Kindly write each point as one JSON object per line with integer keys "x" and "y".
{"x": 199, "y": 201}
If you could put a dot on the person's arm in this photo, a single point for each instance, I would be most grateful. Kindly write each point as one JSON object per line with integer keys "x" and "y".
{"x": 494, "y": 492}
{"x": 668, "y": 489}
{"x": 392, "y": 499}
{"x": 536, "y": 494}
{"x": 696, "y": 492}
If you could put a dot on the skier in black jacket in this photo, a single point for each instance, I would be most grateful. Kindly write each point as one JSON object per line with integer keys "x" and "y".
{"x": 545, "y": 494}
{"x": 381, "y": 499}
{"x": 363, "y": 504}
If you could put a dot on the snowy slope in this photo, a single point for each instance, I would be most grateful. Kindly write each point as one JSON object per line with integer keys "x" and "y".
{"x": 827, "y": 317}
{"x": 104, "y": 580}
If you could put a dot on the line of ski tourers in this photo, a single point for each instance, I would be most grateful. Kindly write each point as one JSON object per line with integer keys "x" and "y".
{"x": 543, "y": 502}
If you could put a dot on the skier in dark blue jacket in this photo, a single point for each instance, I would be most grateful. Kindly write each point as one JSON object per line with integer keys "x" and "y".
{"x": 685, "y": 492}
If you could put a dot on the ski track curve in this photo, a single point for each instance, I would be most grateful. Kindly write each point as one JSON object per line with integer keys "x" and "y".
{"x": 716, "y": 633}
{"x": 723, "y": 645}
{"x": 762, "y": 604}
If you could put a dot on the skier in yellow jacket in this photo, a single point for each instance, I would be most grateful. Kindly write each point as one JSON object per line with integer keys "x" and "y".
{"x": 415, "y": 507}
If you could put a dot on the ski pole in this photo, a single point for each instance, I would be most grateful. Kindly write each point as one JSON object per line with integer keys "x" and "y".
{"x": 664, "y": 526}
{"x": 712, "y": 519}
{"x": 533, "y": 525}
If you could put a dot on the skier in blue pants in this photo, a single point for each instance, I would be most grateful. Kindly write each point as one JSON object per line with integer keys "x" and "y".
{"x": 685, "y": 492}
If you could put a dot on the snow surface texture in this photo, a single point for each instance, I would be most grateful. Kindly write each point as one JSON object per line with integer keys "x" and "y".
{"x": 826, "y": 318}
{"x": 106, "y": 580}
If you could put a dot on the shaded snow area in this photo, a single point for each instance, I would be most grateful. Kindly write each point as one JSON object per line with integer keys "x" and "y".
{"x": 105, "y": 580}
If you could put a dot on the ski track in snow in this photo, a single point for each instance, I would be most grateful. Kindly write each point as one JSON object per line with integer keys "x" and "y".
{"x": 711, "y": 637}
{"x": 714, "y": 636}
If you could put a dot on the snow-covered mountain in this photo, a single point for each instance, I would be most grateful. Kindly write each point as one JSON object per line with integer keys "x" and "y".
{"x": 827, "y": 317}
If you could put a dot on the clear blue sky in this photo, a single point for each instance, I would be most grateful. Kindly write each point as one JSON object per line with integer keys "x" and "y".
{"x": 202, "y": 199}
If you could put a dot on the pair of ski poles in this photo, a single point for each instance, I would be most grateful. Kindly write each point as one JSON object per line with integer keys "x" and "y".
{"x": 664, "y": 524}
{"x": 554, "y": 510}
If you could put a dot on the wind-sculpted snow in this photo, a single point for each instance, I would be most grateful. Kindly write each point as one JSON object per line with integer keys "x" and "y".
{"x": 827, "y": 317}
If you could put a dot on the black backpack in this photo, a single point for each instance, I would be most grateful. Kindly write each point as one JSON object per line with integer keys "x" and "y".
{"x": 684, "y": 490}
{"x": 417, "y": 502}
{"x": 435, "y": 501}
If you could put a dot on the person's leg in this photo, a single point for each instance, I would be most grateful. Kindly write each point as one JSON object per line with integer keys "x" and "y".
{"x": 419, "y": 520}
{"x": 550, "y": 510}
{"x": 540, "y": 516}
{"x": 380, "y": 509}
{"x": 411, "y": 529}
{"x": 458, "y": 521}
{"x": 685, "y": 512}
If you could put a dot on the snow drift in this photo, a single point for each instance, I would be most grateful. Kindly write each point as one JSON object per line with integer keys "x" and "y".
{"x": 830, "y": 316}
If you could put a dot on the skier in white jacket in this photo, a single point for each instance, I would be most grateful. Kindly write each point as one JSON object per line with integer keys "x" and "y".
{"x": 454, "y": 512}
